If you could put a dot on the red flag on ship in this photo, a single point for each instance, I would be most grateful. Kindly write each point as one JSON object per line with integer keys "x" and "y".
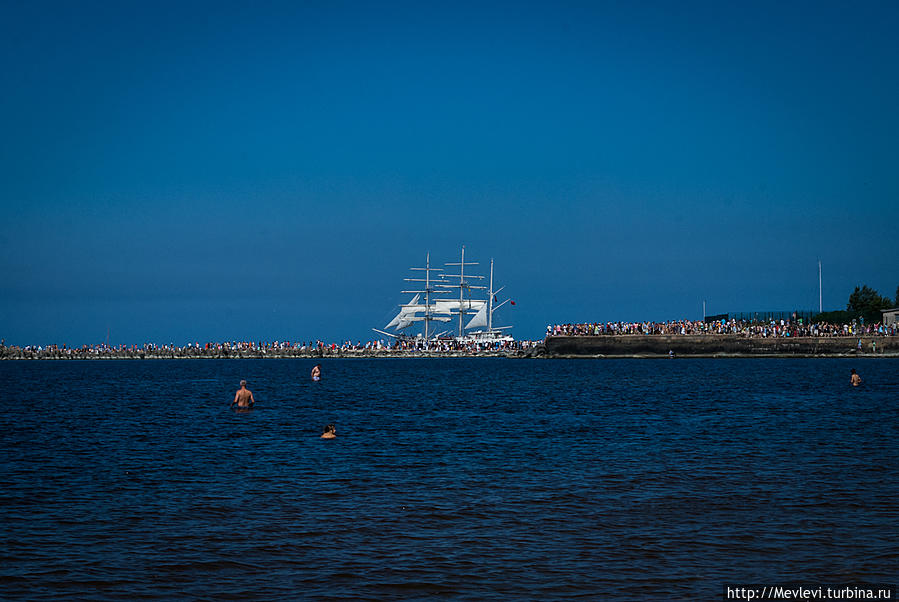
{"x": 512, "y": 302}
{"x": 494, "y": 298}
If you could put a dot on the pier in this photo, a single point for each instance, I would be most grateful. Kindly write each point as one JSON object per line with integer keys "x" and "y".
{"x": 17, "y": 353}
{"x": 719, "y": 345}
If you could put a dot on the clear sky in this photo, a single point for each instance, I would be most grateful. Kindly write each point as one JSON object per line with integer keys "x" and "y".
{"x": 175, "y": 172}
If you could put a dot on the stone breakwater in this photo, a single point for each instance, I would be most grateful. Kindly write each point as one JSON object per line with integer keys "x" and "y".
{"x": 719, "y": 345}
{"x": 610, "y": 346}
{"x": 14, "y": 353}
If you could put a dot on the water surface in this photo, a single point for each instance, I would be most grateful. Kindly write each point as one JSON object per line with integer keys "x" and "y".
{"x": 461, "y": 478}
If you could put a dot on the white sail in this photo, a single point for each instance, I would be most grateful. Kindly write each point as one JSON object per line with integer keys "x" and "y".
{"x": 479, "y": 319}
{"x": 411, "y": 310}
{"x": 445, "y": 306}
{"x": 405, "y": 311}
{"x": 427, "y": 305}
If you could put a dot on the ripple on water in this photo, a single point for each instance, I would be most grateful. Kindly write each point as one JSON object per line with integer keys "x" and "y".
{"x": 468, "y": 479}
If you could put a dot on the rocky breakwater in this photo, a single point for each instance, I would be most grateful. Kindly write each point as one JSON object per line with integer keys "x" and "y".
{"x": 714, "y": 345}
{"x": 17, "y": 353}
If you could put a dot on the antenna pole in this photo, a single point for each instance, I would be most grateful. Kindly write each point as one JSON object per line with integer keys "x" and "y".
{"x": 427, "y": 294}
{"x": 820, "y": 293}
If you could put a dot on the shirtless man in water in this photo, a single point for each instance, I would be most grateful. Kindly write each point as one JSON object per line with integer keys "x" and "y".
{"x": 330, "y": 432}
{"x": 855, "y": 379}
{"x": 316, "y": 372}
{"x": 243, "y": 398}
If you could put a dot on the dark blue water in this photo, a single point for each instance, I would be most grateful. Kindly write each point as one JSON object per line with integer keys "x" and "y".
{"x": 466, "y": 479}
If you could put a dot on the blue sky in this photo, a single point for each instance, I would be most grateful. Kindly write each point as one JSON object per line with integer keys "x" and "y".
{"x": 177, "y": 172}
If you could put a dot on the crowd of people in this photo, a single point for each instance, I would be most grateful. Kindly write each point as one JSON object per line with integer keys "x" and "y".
{"x": 227, "y": 349}
{"x": 450, "y": 346}
{"x": 772, "y": 328}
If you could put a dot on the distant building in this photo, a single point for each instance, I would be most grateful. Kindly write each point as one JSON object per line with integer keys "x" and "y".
{"x": 890, "y": 316}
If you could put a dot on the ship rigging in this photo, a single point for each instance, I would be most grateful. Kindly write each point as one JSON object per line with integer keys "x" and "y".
{"x": 434, "y": 301}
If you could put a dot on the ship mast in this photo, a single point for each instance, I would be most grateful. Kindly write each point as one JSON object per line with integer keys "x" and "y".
{"x": 445, "y": 310}
{"x": 490, "y": 306}
{"x": 490, "y": 300}
{"x": 463, "y": 286}
{"x": 428, "y": 289}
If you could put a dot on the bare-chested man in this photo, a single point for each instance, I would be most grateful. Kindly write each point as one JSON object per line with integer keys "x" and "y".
{"x": 243, "y": 398}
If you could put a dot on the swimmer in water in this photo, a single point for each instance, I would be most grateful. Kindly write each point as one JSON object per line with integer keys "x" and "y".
{"x": 855, "y": 379}
{"x": 330, "y": 432}
{"x": 317, "y": 372}
{"x": 243, "y": 398}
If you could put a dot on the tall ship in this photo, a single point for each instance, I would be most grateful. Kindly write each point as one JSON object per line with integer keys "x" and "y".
{"x": 449, "y": 306}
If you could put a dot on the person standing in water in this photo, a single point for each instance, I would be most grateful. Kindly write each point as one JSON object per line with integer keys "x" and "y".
{"x": 243, "y": 398}
{"x": 317, "y": 372}
{"x": 330, "y": 432}
{"x": 855, "y": 379}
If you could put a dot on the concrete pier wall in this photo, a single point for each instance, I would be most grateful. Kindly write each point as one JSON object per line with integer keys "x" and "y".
{"x": 716, "y": 345}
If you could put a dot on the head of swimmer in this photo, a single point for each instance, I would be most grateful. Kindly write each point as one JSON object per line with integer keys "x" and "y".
{"x": 243, "y": 384}
{"x": 330, "y": 429}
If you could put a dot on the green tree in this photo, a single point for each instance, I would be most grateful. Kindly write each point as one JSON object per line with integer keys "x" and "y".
{"x": 866, "y": 303}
